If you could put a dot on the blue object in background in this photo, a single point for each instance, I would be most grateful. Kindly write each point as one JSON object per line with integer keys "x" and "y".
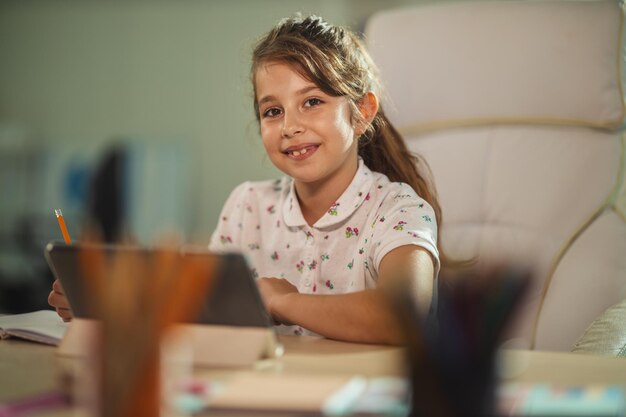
{"x": 76, "y": 183}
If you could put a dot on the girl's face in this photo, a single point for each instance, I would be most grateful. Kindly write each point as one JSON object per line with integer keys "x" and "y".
{"x": 307, "y": 134}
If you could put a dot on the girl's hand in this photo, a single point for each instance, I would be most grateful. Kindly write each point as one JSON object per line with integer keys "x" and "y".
{"x": 275, "y": 292}
{"x": 57, "y": 300}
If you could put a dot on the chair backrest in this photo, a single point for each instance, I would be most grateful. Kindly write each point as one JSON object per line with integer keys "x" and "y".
{"x": 517, "y": 106}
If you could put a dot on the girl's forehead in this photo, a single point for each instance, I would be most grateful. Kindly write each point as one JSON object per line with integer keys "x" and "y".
{"x": 280, "y": 69}
{"x": 279, "y": 75}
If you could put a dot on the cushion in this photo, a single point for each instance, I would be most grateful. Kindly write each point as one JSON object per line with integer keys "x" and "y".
{"x": 548, "y": 62}
{"x": 607, "y": 334}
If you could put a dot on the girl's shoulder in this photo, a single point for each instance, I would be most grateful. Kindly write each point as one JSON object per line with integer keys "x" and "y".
{"x": 387, "y": 188}
{"x": 396, "y": 193}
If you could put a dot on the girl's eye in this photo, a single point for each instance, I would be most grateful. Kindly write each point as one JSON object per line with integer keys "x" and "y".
{"x": 271, "y": 112}
{"x": 312, "y": 102}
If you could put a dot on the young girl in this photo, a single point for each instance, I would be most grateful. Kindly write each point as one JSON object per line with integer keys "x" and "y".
{"x": 355, "y": 206}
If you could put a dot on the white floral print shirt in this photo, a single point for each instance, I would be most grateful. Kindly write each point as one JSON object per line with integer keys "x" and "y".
{"x": 342, "y": 251}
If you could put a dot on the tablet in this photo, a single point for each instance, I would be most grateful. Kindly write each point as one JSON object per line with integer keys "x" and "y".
{"x": 233, "y": 300}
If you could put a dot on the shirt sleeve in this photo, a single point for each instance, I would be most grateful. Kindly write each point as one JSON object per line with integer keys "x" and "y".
{"x": 407, "y": 219}
{"x": 227, "y": 236}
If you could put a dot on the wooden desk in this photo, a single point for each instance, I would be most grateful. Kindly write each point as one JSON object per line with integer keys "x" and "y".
{"x": 27, "y": 369}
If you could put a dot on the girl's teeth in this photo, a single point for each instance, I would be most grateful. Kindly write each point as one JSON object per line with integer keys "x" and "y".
{"x": 300, "y": 152}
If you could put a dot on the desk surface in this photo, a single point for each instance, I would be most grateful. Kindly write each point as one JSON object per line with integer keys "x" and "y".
{"x": 29, "y": 368}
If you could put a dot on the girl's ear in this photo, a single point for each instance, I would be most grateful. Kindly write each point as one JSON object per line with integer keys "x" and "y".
{"x": 368, "y": 107}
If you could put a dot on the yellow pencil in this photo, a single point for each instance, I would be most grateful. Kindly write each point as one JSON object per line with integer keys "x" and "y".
{"x": 61, "y": 220}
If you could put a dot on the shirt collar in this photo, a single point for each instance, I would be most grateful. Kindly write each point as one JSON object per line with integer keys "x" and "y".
{"x": 356, "y": 194}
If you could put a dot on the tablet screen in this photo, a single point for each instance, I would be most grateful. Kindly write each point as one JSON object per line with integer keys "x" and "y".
{"x": 233, "y": 300}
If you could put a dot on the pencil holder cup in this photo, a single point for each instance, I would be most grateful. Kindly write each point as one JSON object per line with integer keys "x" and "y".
{"x": 137, "y": 297}
{"x": 451, "y": 356}
{"x": 129, "y": 377}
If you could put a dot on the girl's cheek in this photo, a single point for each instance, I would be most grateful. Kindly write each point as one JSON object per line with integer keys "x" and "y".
{"x": 265, "y": 133}
{"x": 269, "y": 144}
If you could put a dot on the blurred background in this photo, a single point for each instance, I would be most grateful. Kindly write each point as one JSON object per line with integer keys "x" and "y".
{"x": 137, "y": 113}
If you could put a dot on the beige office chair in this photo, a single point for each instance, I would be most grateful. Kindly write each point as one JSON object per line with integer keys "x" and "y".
{"x": 517, "y": 106}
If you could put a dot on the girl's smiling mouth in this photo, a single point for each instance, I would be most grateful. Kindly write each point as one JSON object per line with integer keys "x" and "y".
{"x": 301, "y": 152}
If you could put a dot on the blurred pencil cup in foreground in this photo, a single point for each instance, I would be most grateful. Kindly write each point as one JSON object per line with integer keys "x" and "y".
{"x": 137, "y": 299}
{"x": 452, "y": 364}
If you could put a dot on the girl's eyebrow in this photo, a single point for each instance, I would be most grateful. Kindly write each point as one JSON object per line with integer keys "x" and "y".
{"x": 301, "y": 91}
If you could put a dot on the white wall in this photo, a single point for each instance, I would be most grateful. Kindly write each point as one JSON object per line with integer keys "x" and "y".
{"x": 78, "y": 73}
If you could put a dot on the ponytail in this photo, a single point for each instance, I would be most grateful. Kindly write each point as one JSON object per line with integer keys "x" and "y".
{"x": 384, "y": 150}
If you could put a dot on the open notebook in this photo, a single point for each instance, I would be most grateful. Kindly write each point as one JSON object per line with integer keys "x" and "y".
{"x": 43, "y": 326}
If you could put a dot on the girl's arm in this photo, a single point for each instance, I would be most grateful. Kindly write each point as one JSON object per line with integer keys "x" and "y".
{"x": 363, "y": 316}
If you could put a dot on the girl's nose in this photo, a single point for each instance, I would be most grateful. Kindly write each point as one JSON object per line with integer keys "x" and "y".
{"x": 291, "y": 127}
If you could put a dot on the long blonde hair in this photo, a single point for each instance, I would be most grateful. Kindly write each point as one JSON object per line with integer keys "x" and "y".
{"x": 335, "y": 60}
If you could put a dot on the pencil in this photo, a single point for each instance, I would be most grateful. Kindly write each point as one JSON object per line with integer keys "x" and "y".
{"x": 61, "y": 220}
